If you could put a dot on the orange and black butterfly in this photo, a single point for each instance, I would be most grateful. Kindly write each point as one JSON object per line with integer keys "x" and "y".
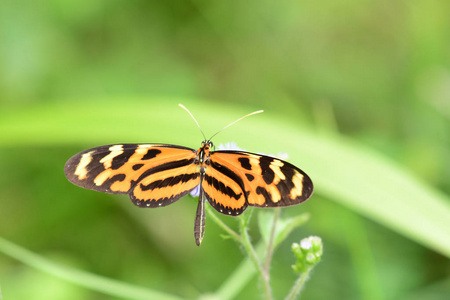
{"x": 155, "y": 175}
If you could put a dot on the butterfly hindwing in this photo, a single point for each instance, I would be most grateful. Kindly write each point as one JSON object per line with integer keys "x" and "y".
{"x": 224, "y": 188}
{"x": 163, "y": 187}
{"x": 263, "y": 180}
{"x": 152, "y": 174}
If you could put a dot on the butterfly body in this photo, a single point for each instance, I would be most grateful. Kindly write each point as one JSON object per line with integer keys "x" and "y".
{"x": 155, "y": 175}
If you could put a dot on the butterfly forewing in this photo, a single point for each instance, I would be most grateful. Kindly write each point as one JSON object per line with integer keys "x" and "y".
{"x": 266, "y": 181}
{"x": 153, "y": 174}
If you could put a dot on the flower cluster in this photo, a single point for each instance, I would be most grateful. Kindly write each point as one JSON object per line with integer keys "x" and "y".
{"x": 308, "y": 253}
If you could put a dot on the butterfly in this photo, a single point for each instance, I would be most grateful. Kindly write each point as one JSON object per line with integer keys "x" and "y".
{"x": 156, "y": 175}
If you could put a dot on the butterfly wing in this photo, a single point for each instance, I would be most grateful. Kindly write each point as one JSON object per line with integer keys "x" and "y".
{"x": 238, "y": 178}
{"x": 152, "y": 174}
{"x": 224, "y": 186}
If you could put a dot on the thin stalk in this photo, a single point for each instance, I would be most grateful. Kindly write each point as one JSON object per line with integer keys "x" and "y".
{"x": 240, "y": 277}
{"x": 254, "y": 257}
{"x": 107, "y": 286}
{"x": 299, "y": 283}
{"x": 224, "y": 226}
{"x": 271, "y": 244}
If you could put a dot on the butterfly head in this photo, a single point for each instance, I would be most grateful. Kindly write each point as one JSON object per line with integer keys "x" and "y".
{"x": 203, "y": 155}
{"x": 207, "y": 144}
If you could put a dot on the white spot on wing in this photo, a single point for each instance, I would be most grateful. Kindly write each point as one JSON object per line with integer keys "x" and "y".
{"x": 81, "y": 170}
{"x": 143, "y": 148}
{"x": 116, "y": 150}
{"x": 297, "y": 190}
{"x": 102, "y": 177}
{"x": 276, "y": 168}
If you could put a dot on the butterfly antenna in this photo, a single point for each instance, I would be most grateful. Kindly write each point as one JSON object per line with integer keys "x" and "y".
{"x": 192, "y": 116}
{"x": 232, "y": 123}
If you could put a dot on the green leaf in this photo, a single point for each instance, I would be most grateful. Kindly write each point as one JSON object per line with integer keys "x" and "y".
{"x": 283, "y": 227}
{"x": 346, "y": 172}
{"x": 85, "y": 279}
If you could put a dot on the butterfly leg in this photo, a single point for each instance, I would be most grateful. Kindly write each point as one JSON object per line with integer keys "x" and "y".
{"x": 199, "y": 227}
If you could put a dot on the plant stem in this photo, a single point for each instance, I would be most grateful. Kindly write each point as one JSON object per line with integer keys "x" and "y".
{"x": 224, "y": 226}
{"x": 105, "y": 285}
{"x": 299, "y": 283}
{"x": 240, "y": 277}
{"x": 254, "y": 257}
{"x": 271, "y": 244}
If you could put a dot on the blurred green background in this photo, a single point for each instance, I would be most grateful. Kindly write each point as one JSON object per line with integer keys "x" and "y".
{"x": 356, "y": 92}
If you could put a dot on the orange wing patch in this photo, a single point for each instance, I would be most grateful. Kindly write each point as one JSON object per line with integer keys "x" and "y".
{"x": 161, "y": 188}
{"x": 224, "y": 189}
{"x": 265, "y": 180}
{"x": 148, "y": 172}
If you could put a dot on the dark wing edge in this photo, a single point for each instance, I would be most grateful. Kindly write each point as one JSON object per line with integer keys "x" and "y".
{"x": 118, "y": 168}
{"x": 268, "y": 181}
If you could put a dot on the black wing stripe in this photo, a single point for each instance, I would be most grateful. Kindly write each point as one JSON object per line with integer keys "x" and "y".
{"x": 220, "y": 186}
{"x": 170, "y": 181}
{"x": 166, "y": 166}
{"x": 230, "y": 174}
